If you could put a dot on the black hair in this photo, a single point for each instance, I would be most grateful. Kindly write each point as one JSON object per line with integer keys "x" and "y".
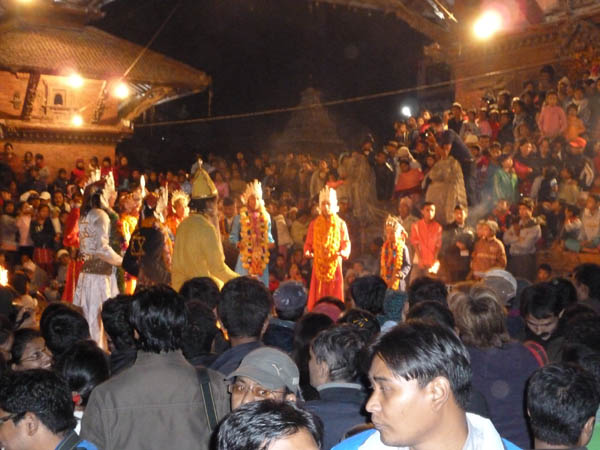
{"x": 368, "y": 293}
{"x": 22, "y": 337}
{"x": 228, "y": 201}
{"x": 435, "y": 120}
{"x": 541, "y": 300}
{"x": 115, "y": 318}
{"x": 565, "y": 290}
{"x": 583, "y": 329}
{"x": 305, "y": 330}
{"x": 244, "y": 307}
{"x": 423, "y": 351}
{"x": 561, "y": 398}
{"x": 255, "y": 425}
{"x": 19, "y": 282}
{"x": 203, "y": 289}
{"x": 202, "y": 205}
{"x": 200, "y": 331}
{"x": 41, "y": 392}
{"x": 159, "y": 316}
{"x": 340, "y": 348}
{"x": 84, "y": 366}
{"x": 6, "y": 328}
{"x": 588, "y": 274}
{"x": 62, "y": 326}
{"x": 432, "y": 311}
{"x": 427, "y": 289}
{"x": 363, "y": 321}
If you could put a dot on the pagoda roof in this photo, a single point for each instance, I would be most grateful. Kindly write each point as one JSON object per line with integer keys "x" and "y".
{"x": 94, "y": 54}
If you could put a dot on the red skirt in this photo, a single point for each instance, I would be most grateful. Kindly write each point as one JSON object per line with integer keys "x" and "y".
{"x": 44, "y": 257}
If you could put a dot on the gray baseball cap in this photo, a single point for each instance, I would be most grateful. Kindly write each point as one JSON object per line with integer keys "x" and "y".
{"x": 269, "y": 367}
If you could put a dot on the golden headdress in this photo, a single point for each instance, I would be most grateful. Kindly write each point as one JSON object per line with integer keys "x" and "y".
{"x": 202, "y": 185}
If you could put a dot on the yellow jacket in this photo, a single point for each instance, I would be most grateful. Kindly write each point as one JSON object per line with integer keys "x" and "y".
{"x": 198, "y": 253}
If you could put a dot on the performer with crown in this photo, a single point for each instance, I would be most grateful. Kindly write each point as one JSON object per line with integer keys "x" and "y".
{"x": 328, "y": 242}
{"x": 179, "y": 211}
{"x": 198, "y": 251}
{"x": 395, "y": 258}
{"x": 97, "y": 280}
{"x": 251, "y": 232}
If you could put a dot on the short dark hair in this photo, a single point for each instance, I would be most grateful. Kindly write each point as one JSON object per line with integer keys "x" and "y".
{"x": 115, "y": 318}
{"x": 159, "y": 316}
{"x": 423, "y": 351}
{"x": 340, "y": 348}
{"x": 21, "y": 338}
{"x": 256, "y": 425}
{"x": 62, "y": 326}
{"x": 481, "y": 321}
{"x": 368, "y": 293}
{"x": 200, "y": 331}
{"x": 363, "y": 321}
{"x": 583, "y": 329}
{"x": 84, "y": 366}
{"x": 427, "y": 289}
{"x": 565, "y": 290}
{"x": 203, "y": 289}
{"x": 588, "y": 274}
{"x": 245, "y": 307}
{"x": 40, "y": 392}
{"x": 228, "y": 201}
{"x": 541, "y": 301}
{"x": 432, "y": 311}
{"x": 561, "y": 398}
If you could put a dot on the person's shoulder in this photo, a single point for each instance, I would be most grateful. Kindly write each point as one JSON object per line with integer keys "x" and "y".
{"x": 355, "y": 441}
{"x": 87, "y": 445}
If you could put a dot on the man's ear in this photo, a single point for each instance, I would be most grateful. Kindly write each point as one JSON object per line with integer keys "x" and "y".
{"x": 31, "y": 423}
{"x": 291, "y": 397}
{"x": 586, "y": 433}
{"x": 439, "y": 391}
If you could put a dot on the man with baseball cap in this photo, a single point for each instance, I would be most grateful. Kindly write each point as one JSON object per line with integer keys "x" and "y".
{"x": 265, "y": 373}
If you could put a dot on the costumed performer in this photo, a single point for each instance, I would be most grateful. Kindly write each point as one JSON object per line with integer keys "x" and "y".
{"x": 71, "y": 242}
{"x": 251, "y": 232}
{"x": 148, "y": 256}
{"x": 179, "y": 211}
{"x": 328, "y": 243}
{"x": 395, "y": 258}
{"x": 198, "y": 251}
{"x": 97, "y": 281}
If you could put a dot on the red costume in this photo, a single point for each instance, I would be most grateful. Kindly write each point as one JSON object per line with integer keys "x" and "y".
{"x": 328, "y": 240}
{"x": 71, "y": 240}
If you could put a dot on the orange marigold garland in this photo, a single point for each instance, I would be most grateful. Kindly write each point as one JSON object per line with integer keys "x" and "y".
{"x": 391, "y": 262}
{"x": 254, "y": 242}
{"x": 327, "y": 238}
{"x": 392, "y": 253}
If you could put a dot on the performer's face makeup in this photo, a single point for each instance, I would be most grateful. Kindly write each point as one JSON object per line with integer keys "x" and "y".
{"x": 252, "y": 202}
{"x": 326, "y": 208}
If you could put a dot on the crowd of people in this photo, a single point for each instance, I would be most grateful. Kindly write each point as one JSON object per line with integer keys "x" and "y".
{"x": 388, "y": 297}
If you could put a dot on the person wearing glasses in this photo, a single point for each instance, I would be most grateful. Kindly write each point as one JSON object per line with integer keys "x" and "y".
{"x": 36, "y": 412}
{"x": 265, "y": 373}
{"x": 29, "y": 351}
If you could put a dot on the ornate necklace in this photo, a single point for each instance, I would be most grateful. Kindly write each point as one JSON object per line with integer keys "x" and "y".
{"x": 254, "y": 241}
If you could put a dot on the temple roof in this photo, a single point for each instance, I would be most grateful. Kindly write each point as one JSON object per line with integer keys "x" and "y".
{"x": 50, "y": 49}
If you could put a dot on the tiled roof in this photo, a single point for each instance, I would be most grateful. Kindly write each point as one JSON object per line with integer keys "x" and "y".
{"x": 92, "y": 53}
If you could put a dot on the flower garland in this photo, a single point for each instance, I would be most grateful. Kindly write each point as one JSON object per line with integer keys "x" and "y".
{"x": 254, "y": 241}
{"x": 327, "y": 238}
{"x": 391, "y": 262}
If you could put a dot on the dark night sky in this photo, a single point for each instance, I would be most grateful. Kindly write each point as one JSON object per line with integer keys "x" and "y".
{"x": 262, "y": 53}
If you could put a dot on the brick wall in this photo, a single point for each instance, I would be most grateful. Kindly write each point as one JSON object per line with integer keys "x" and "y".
{"x": 57, "y": 155}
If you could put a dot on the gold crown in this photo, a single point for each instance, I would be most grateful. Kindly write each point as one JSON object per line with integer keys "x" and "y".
{"x": 202, "y": 185}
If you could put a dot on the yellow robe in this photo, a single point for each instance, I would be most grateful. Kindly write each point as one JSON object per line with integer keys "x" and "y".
{"x": 198, "y": 253}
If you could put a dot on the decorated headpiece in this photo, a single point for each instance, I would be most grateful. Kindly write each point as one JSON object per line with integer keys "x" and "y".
{"x": 254, "y": 188}
{"x": 329, "y": 194}
{"x": 179, "y": 195}
{"x": 109, "y": 188}
{"x": 202, "y": 185}
{"x": 92, "y": 178}
{"x": 395, "y": 224}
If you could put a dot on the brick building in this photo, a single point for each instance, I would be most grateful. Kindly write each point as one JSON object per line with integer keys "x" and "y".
{"x": 69, "y": 90}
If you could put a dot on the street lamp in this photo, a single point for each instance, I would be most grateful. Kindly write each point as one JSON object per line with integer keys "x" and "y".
{"x": 77, "y": 120}
{"x": 75, "y": 80}
{"x": 405, "y": 110}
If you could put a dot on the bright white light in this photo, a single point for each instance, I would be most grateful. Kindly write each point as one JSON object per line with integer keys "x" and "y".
{"x": 406, "y": 111}
{"x": 77, "y": 120}
{"x": 487, "y": 25}
{"x": 121, "y": 90}
{"x": 75, "y": 80}
{"x": 25, "y": 1}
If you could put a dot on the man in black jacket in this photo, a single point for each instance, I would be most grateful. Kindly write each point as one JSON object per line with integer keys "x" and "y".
{"x": 333, "y": 368}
